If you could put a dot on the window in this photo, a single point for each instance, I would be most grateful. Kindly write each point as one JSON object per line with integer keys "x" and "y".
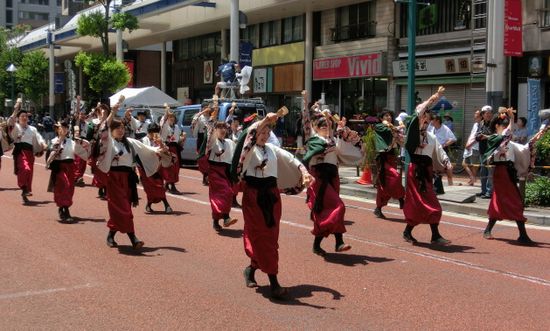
{"x": 29, "y": 15}
{"x": 249, "y": 34}
{"x": 355, "y": 22}
{"x": 293, "y": 29}
{"x": 9, "y": 3}
{"x": 9, "y": 16}
{"x": 270, "y": 33}
{"x": 546, "y": 14}
{"x": 203, "y": 46}
{"x": 37, "y": 2}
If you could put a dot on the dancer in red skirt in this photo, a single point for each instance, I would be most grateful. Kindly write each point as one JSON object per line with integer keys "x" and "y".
{"x": 511, "y": 161}
{"x": 219, "y": 151}
{"x": 117, "y": 159}
{"x": 173, "y": 138}
{"x": 79, "y": 131}
{"x": 388, "y": 182}
{"x": 60, "y": 161}
{"x": 97, "y": 131}
{"x": 28, "y": 143}
{"x": 421, "y": 204}
{"x": 266, "y": 169}
{"x": 325, "y": 151}
{"x": 154, "y": 185}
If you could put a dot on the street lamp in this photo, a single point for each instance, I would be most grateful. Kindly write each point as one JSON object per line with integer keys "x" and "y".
{"x": 12, "y": 69}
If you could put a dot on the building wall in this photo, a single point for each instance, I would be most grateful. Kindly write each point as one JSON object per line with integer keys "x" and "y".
{"x": 52, "y": 10}
{"x": 536, "y": 36}
{"x": 147, "y": 69}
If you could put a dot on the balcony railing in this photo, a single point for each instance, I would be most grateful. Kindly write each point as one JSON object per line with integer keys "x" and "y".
{"x": 353, "y": 32}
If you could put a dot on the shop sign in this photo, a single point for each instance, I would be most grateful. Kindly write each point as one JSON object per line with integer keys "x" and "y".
{"x": 367, "y": 65}
{"x": 260, "y": 80}
{"x": 512, "y": 28}
{"x": 533, "y": 105}
{"x": 434, "y": 66}
{"x": 131, "y": 67}
{"x": 59, "y": 82}
{"x": 208, "y": 72}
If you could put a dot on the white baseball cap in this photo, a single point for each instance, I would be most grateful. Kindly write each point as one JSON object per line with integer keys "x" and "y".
{"x": 486, "y": 108}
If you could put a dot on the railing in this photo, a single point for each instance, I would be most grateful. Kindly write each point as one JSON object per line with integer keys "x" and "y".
{"x": 353, "y": 32}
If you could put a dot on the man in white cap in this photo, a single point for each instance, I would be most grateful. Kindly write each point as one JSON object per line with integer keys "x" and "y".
{"x": 483, "y": 132}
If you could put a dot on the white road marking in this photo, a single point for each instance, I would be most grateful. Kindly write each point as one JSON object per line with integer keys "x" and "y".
{"x": 43, "y": 292}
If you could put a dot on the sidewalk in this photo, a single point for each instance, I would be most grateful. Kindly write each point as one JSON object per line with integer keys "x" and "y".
{"x": 450, "y": 201}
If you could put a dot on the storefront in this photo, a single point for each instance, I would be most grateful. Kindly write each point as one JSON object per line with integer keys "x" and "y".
{"x": 463, "y": 92}
{"x": 352, "y": 85}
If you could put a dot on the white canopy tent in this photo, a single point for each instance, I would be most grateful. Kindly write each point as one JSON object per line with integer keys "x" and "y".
{"x": 146, "y": 97}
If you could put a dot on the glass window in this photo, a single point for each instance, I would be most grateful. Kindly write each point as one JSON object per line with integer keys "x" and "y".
{"x": 546, "y": 12}
{"x": 271, "y": 33}
{"x": 9, "y": 3}
{"x": 298, "y": 29}
{"x": 249, "y": 34}
{"x": 9, "y": 16}
{"x": 355, "y": 22}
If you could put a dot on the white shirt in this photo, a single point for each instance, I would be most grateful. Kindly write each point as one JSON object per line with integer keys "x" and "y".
{"x": 170, "y": 134}
{"x": 222, "y": 151}
{"x": 273, "y": 139}
{"x": 122, "y": 157}
{"x": 443, "y": 134}
{"x": 26, "y": 135}
{"x": 330, "y": 157}
{"x": 70, "y": 149}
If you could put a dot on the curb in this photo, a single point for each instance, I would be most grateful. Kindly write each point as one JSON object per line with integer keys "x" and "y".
{"x": 368, "y": 192}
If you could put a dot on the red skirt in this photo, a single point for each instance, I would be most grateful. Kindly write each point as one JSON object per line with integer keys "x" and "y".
{"x": 171, "y": 174}
{"x": 118, "y": 203}
{"x": 220, "y": 190}
{"x": 421, "y": 207}
{"x": 79, "y": 167}
{"x": 25, "y": 169}
{"x": 203, "y": 164}
{"x": 63, "y": 190}
{"x": 331, "y": 218}
{"x": 153, "y": 186}
{"x": 392, "y": 187}
{"x": 261, "y": 243}
{"x": 100, "y": 179}
{"x": 506, "y": 202}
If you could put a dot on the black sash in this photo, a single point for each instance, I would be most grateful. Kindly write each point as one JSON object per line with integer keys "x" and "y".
{"x": 422, "y": 162}
{"x": 265, "y": 198}
{"x": 327, "y": 172}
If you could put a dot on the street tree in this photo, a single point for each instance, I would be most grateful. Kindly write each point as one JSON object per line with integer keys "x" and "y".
{"x": 9, "y": 54}
{"x": 32, "y": 76}
{"x": 105, "y": 74}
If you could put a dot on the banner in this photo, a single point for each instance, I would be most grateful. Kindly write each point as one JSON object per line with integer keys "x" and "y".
{"x": 245, "y": 53}
{"x": 130, "y": 66}
{"x": 367, "y": 65}
{"x": 59, "y": 82}
{"x": 533, "y": 105}
{"x": 513, "y": 43}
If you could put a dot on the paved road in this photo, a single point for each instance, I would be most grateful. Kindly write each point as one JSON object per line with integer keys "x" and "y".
{"x": 63, "y": 276}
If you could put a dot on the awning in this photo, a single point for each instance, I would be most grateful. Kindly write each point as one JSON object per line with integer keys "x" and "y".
{"x": 443, "y": 80}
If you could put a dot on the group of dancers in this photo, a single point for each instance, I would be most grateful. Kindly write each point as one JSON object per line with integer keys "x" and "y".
{"x": 247, "y": 162}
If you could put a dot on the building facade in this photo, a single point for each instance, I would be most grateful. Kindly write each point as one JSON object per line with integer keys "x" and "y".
{"x": 35, "y": 13}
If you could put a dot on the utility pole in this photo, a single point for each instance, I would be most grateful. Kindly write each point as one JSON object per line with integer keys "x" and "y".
{"x": 496, "y": 62}
{"x": 411, "y": 64}
{"x": 234, "y": 31}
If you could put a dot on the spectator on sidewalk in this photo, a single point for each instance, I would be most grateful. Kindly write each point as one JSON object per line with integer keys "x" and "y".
{"x": 446, "y": 138}
{"x": 483, "y": 133}
{"x": 470, "y": 158}
{"x": 448, "y": 121}
{"x": 520, "y": 132}
{"x": 48, "y": 125}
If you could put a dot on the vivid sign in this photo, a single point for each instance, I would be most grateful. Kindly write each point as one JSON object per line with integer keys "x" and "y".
{"x": 513, "y": 28}
{"x": 348, "y": 67}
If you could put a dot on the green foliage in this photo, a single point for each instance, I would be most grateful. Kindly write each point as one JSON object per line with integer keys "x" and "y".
{"x": 543, "y": 147}
{"x": 93, "y": 24}
{"x": 8, "y": 54}
{"x": 105, "y": 73}
{"x": 124, "y": 21}
{"x": 537, "y": 192}
{"x": 32, "y": 76}
{"x": 369, "y": 147}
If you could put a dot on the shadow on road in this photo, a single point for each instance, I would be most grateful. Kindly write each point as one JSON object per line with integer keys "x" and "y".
{"x": 447, "y": 248}
{"x": 173, "y": 213}
{"x": 128, "y": 250}
{"x": 516, "y": 243}
{"x": 393, "y": 219}
{"x": 352, "y": 260}
{"x": 86, "y": 219}
{"x": 348, "y": 222}
{"x": 31, "y": 203}
{"x": 231, "y": 233}
{"x": 9, "y": 189}
{"x": 298, "y": 292}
